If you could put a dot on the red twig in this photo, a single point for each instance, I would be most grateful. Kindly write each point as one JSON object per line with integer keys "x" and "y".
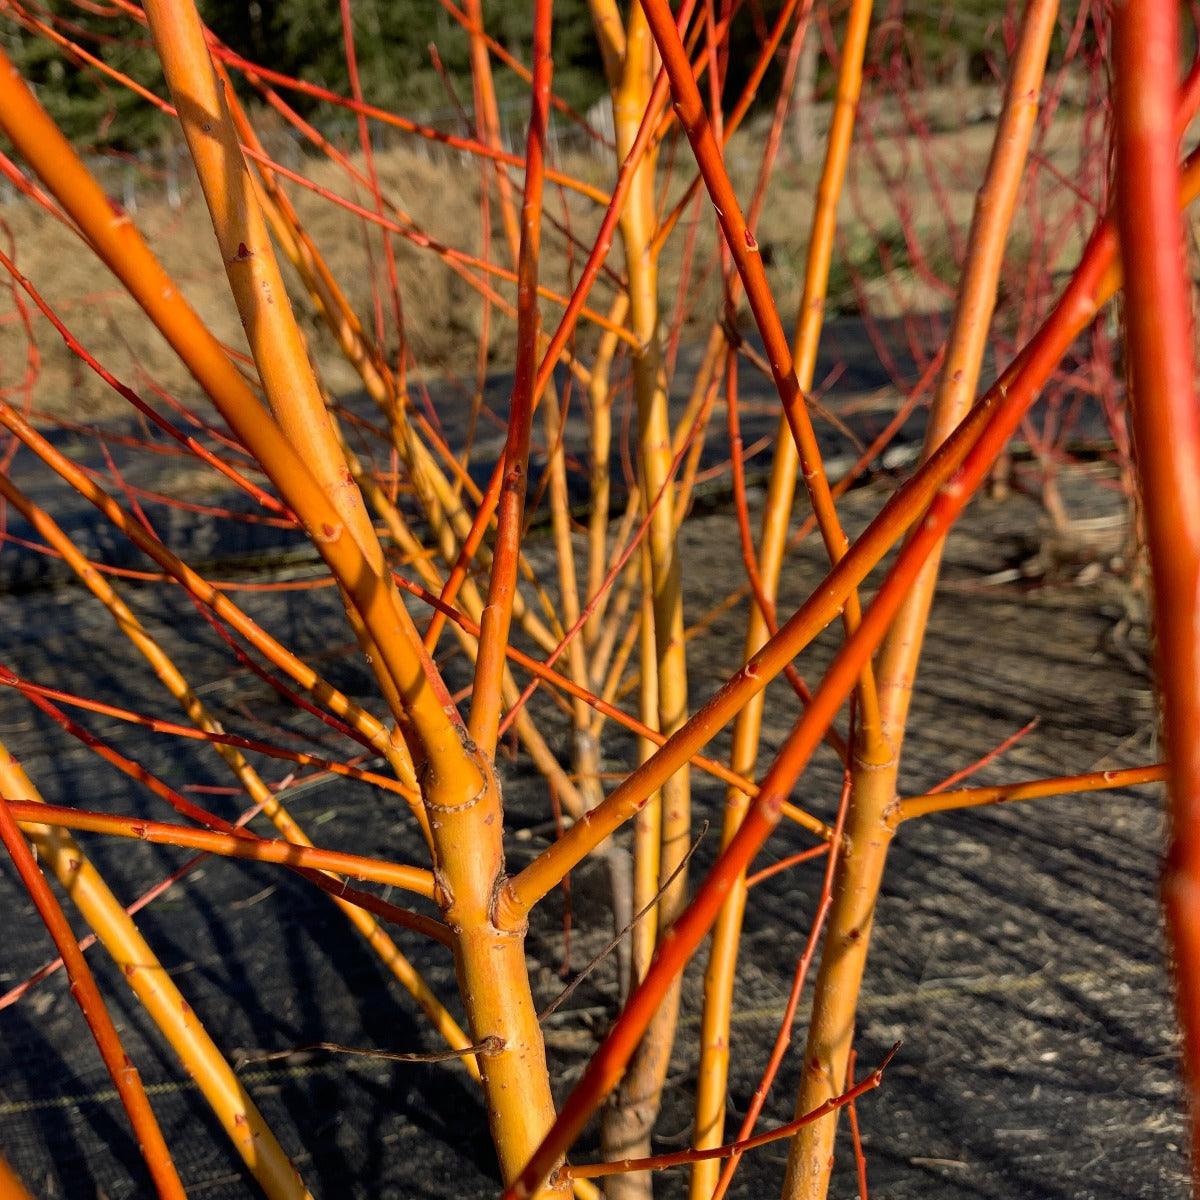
{"x": 682, "y": 1157}
{"x": 1166, "y": 421}
{"x": 124, "y": 1074}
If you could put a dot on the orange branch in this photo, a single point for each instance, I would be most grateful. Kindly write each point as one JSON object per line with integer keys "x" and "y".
{"x": 87, "y": 995}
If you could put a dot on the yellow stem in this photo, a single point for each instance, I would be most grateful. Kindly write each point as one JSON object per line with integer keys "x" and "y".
{"x": 868, "y": 830}
{"x": 715, "y": 1032}
{"x": 231, "y": 1103}
{"x": 628, "y": 1121}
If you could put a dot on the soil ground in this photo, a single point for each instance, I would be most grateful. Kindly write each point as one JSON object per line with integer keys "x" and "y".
{"x": 1018, "y": 952}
